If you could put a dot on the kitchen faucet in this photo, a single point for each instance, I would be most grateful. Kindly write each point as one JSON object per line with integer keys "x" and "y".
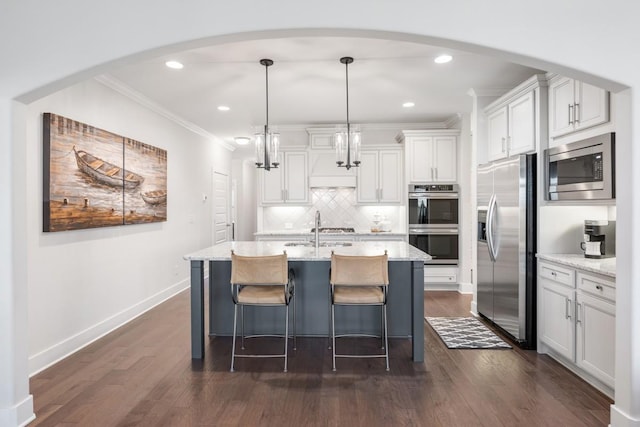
{"x": 317, "y": 230}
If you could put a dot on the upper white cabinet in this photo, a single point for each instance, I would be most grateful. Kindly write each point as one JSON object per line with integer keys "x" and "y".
{"x": 513, "y": 121}
{"x": 287, "y": 183}
{"x": 431, "y": 155}
{"x": 575, "y": 105}
{"x": 380, "y": 177}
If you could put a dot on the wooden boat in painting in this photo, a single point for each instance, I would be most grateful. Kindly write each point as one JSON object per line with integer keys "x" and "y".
{"x": 105, "y": 172}
{"x": 155, "y": 197}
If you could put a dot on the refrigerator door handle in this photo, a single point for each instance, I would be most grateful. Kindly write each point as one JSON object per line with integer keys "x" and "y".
{"x": 490, "y": 212}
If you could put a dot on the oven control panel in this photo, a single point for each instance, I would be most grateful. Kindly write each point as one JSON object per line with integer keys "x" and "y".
{"x": 430, "y": 188}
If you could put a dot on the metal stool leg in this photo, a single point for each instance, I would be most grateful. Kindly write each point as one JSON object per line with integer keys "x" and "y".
{"x": 233, "y": 346}
{"x": 386, "y": 342}
{"x": 333, "y": 335}
{"x": 286, "y": 337}
{"x": 242, "y": 327}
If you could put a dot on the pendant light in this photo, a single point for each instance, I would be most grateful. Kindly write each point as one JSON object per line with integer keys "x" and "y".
{"x": 347, "y": 142}
{"x": 267, "y": 141}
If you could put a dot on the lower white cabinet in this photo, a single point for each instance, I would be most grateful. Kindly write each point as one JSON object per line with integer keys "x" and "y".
{"x": 440, "y": 275}
{"x": 576, "y": 319}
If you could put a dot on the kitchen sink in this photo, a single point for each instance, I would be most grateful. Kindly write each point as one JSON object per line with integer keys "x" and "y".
{"x": 322, "y": 244}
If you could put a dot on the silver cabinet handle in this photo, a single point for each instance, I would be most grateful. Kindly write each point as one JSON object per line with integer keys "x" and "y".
{"x": 576, "y": 113}
{"x": 578, "y": 316}
{"x": 567, "y": 308}
{"x": 570, "y": 114}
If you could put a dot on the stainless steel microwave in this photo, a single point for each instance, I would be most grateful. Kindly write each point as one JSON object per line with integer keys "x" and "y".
{"x": 582, "y": 170}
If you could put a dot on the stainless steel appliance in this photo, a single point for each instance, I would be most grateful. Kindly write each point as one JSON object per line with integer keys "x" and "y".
{"x": 507, "y": 246}
{"x": 582, "y": 170}
{"x": 599, "y": 238}
{"x": 433, "y": 221}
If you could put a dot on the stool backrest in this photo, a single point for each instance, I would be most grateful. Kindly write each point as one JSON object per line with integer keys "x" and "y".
{"x": 359, "y": 270}
{"x": 263, "y": 270}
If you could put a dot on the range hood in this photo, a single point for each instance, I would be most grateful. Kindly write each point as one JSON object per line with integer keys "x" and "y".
{"x": 325, "y": 173}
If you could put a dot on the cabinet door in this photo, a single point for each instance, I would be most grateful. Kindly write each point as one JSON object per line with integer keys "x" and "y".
{"x": 556, "y": 324}
{"x": 592, "y": 105}
{"x": 596, "y": 338}
{"x": 296, "y": 183}
{"x": 497, "y": 134}
{"x": 368, "y": 177}
{"x": 445, "y": 158}
{"x": 390, "y": 177}
{"x": 272, "y": 185}
{"x": 419, "y": 159}
{"x": 522, "y": 125}
{"x": 561, "y": 100}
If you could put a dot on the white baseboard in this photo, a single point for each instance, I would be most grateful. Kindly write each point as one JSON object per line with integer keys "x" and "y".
{"x": 621, "y": 419}
{"x": 441, "y": 287}
{"x": 474, "y": 308}
{"x": 19, "y": 414}
{"x": 465, "y": 288}
{"x": 40, "y": 361}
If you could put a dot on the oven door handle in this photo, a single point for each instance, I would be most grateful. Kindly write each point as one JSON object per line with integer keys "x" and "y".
{"x": 433, "y": 231}
{"x": 445, "y": 196}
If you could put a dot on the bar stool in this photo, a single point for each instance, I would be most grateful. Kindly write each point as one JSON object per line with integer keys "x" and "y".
{"x": 357, "y": 281}
{"x": 262, "y": 281}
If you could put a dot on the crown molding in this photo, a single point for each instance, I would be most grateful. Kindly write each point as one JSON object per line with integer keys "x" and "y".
{"x": 118, "y": 86}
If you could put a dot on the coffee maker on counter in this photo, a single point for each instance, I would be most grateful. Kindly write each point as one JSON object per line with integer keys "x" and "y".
{"x": 599, "y": 238}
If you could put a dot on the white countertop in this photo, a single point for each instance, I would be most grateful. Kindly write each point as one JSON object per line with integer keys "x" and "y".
{"x": 604, "y": 266}
{"x": 397, "y": 251}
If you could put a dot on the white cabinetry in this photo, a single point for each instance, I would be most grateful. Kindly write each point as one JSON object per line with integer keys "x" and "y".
{"x": 380, "y": 177}
{"x": 575, "y": 105}
{"x": 431, "y": 155}
{"x": 288, "y": 182}
{"x": 578, "y": 323}
{"x": 512, "y": 121}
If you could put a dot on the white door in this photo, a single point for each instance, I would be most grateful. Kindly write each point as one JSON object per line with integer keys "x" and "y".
{"x": 368, "y": 178}
{"x": 522, "y": 125}
{"x": 497, "y": 134}
{"x": 561, "y": 99}
{"x": 557, "y": 328}
{"x": 221, "y": 224}
{"x": 592, "y": 104}
{"x": 445, "y": 159}
{"x": 390, "y": 177}
{"x": 420, "y": 160}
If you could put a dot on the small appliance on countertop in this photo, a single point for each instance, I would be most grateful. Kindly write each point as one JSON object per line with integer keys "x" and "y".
{"x": 599, "y": 238}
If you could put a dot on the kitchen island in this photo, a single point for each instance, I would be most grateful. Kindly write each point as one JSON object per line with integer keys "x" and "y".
{"x": 311, "y": 266}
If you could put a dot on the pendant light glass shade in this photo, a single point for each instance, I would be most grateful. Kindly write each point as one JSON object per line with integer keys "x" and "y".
{"x": 267, "y": 140}
{"x": 347, "y": 141}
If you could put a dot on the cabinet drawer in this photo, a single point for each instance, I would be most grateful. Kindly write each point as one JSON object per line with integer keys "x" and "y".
{"x": 440, "y": 275}
{"x": 557, "y": 274}
{"x": 597, "y": 286}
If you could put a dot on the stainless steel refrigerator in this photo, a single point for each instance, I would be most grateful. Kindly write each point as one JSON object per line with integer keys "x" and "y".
{"x": 507, "y": 246}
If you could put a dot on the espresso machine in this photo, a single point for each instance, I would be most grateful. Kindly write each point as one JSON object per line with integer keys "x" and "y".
{"x": 599, "y": 238}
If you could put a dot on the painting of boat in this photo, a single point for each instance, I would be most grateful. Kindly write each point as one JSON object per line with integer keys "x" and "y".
{"x": 155, "y": 197}
{"x": 96, "y": 178}
{"x": 105, "y": 172}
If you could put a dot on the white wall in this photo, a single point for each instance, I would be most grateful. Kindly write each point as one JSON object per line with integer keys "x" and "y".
{"x": 81, "y": 284}
{"x": 467, "y": 205}
{"x": 538, "y": 36}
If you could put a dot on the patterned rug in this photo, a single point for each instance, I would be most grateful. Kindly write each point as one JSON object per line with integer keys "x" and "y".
{"x": 465, "y": 332}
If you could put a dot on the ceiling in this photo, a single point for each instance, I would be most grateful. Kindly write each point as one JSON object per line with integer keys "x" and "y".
{"x": 307, "y": 83}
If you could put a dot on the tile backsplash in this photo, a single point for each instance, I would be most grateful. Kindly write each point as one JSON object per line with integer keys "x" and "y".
{"x": 337, "y": 208}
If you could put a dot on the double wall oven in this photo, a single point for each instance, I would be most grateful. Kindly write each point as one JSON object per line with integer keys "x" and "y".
{"x": 433, "y": 221}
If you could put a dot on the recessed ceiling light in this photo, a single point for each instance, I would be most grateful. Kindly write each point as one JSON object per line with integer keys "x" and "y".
{"x": 242, "y": 140}
{"x": 409, "y": 104}
{"x": 223, "y": 108}
{"x": 443, "y": 59}
{"x": 174, "y": 64}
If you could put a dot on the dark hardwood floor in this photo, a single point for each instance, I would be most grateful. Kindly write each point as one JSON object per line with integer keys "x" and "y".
{"x": 142, "y": 374}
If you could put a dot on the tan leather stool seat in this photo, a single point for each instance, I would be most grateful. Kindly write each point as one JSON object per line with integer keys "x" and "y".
{"x": 358, "y": 295}
{"x": 261, "y": 294}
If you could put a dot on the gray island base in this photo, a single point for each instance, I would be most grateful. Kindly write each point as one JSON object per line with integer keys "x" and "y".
{"x": 311, "y": 267}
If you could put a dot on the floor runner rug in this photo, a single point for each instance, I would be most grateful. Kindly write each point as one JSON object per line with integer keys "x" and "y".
{"x": 465, "y": 332}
